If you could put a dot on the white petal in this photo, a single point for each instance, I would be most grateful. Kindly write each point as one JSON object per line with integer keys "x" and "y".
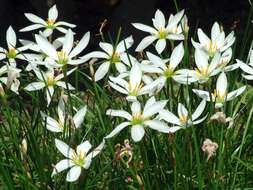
{"x": 49, "y": 94}
{"x": 202, "y": 94}
{"x": 31, "y": 27}
{"x": 144, "y": 28}
{"x": 61, "y": 110}
{"x": 63, "y": 85}
{"x": 199, "y": 120}
{"x": 53, "y": 125}
{"x": 154, "y": 108}
{"x": 169, "y": 117}
{"x": 102, "y": 71}
{"x": 35, "y": 19}
{"x": 64, "y": 148}
{"x": 68, "y": 42}
{"x": 35, "y": 86}
{"x": 73, "y": 174}
{"x": 117, "y": 129}
{"x": 235, "y": 93}
{"x": 95, "y": 54}
{"x": 124, "y": 44}
{"x": 199, "y": 110}
{"x": 137, "y": 132}
{"x": 145, "y": 42}
{"x": 53, "y": 13}
{"x": 201, "y": 59}
{"x": 119, "y": 113}
{"x": 81, "y": 45}
{"x": 160, "y": 45}
{"x": 61, "y": 166}
{"x": 203, "y": 38}
{"x": 136, "y": 107}
{"x": 46, "y": 47}
{"x": 97, "y": 150}
{"x": 120, "y": 67}
{"x": 221, "y": 84}
{"x": 157, "y": 60}
{"x": 159, "y": 20}
{"x": 118, "y": 88}
{"x": 79, "y": 117}
{"x": 215, "y": 61}
{"x": 83, "y": 147}
{"x": 135, "y": 76}
{"x": 177, "y": 55}
{"x": 11, "y": 38}
{"x": 64, "y": 24}
{"x": 215, "y": 31}
{"x": 108, "y": 48}
{"x": 181, "y": 110}
{"x": 157, "y": 125}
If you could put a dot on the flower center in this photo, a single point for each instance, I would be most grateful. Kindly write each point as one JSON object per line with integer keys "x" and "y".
{"x": 62, "y": 57}
{"x": 203, "y": 72}
{"x": 134, "y": 89}
{"x": 212, "y": 48}
{"x": 162, "y": 33}
{"x": 50, "y": 23}
{"x": 79, "y": 159}
{"x": 50, "y": 79}
{"x": 218, "y": 96}
{"x": 137, "y": 119}
{"x": 169, "y": 72}
{"x": 183, "y": 119}
{"x": 12, "y": 53}
{"x": 115, "y": 58}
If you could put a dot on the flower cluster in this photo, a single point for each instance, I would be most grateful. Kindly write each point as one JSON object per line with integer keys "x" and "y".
{"x": 147, "y": 84}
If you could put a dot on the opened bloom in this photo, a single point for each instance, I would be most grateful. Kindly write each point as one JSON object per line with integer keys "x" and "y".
{"x": 183, "y": 119}
{"x": 61, "y": 124}
{"x": 167, "y": 67}
{"x": 67, "y": 54}
{"x": 112, "y": 57}
{"x": 76, "y": 159}
{"x": 161, "y": 32}
{"x": 48, "y": 80}
{"x": 12, "y": 52}
{"x": 204, "y": 69}
{"x": 140, "y": 119}
{"x": 217, "y": 43}
{"x": 134, "y": 87}
{"x": 220, "y": 94}
{"x": 49, "y": 25}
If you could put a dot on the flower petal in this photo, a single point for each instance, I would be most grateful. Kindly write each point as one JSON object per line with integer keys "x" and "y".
{"x": 119, "y": 113}
{"x": 61, "y": 166}
{"x": 11, "y": 38}
{"x": 137, "y": 132}
{"x": 199, "y": 110}
{"x": 79, "y": 117}
{"x": 169, "y": 117}
{"x": 73, "y": 174}
{"x": 53, "y": 13}
{"x": 35, "y": 86}
{"x": 102, "y": 71}
{"x": 160, "y": 45}
{"x": 117, "y": 129}
{"x": 84, "y": 147}
{"x": 145, "y": 42}
{"x": 64, "y": 148}
{"x": 144, "y": 28}
{"x": 157, "y": 125}
{"x": 35, "y": 19}
{"x": 81, "y": 45}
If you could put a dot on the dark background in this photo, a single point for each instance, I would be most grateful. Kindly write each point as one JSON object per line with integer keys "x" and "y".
{"x": 87, "y": 14}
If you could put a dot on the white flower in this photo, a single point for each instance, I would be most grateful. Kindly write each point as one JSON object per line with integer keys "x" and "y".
{"x": 11, "y": 80}
{"x": 12, "y": 52}
{"x": 48, "y": 80}
{"x": 113, "y": 56}
{"x": 167, "y": 67}
{"x": 49, "y": 25}
{"x": 60, "y": 125}
{"x": 204, "y": 70}
{"x": 183, "y": 120}
{"x": 134, "y": 87}
{"x": 139, "y": 119}
{"x": 161, "y": 32}
{"x": 217, "y": 43}
{"x": 75, "y": 159}
{"x": 220, "y": 94}
{"x": 67, "y": 54}
{"x": 247, "y": 68}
